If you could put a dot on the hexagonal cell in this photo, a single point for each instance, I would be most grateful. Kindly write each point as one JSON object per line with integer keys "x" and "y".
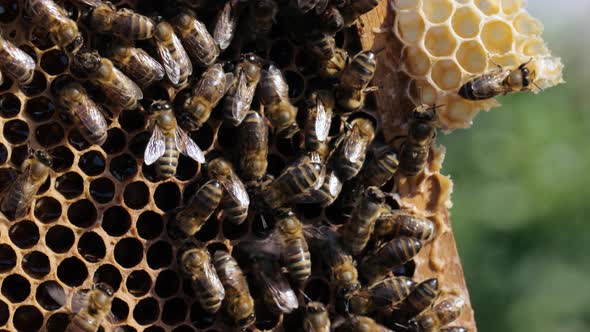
{"x": 49, "y": 134}
{"x": 465, "y": 22}
{"x": 92, "y": 163}
{"x": 132, "y": 120}
{"x": 123, "y": 166}
{"x": 528, "y": 25}
{"x": 534, "y": 46}
{"x": 138, "y": 283}
{"x": 16, "y": 131}
{"x": 505, "y": 60}
{"x": 416, "y": 61}
{"x": 167, "y": 283}
{"x": 146, "y": 311}
{"x": 149, "y": 225}
{"x": 70, "y": 185}
{"x": 62, "y": 158}
{"x": 167, "y": 196}
{"x": 120, "y": 310}
{"x": 57, "y": 322}
{"x": 427, "y": 94}
{"x": 510, "y": 7}
{"x": 9, "y": 105}
{"x": 136, "y": 195}
{"x": 39, "y": 109}
{"x": 36, "y": 86}
{"x": 72, "y": 272}
{"x": 409, "y": 27}
{"x": 488, "y": 7}
{"x": 24, "y": 234}
{"x": 497, "y": 36}
{"x": 159, "y": 255}
{"x": 36, "y": 264}
{"x": 7, "y": 258}
{"x": 27, "y": 318}
{"x": 406, "y": 4}
{"x": 115, "y": 142}
{"x": 45, "y": 295}
{"x": 472, "y": 57}
{"x": 82, "y": 213}
{"x": 174, "y": 311}
{"x": 3, "y": 154}
{"x": 440, "y": 41}
{"x": 59, "y": 239}
{"x": 54, "y": 62}
{"x": 4, "y": 313}
{"x": 108, "y": 274}
{"x": 116, "y": 221}
{"x": 16, "y": 288}
{"x": 102, "y": 190}
{"x": 91, "y": 247}
{"x": 459, "y": 112}
{"x": 437, "y": 11}
{"x": 128, "y": 252}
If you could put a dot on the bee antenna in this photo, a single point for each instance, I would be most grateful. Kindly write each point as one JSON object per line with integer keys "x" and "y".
{"x": 307, "y": 299}
{"x": 537, "y": 86}
{"x": 403, "y": 327}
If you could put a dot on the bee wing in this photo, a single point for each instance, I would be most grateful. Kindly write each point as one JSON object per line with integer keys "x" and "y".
{"x": 235, "y": 188}
{"x": 93, "y": 3}
{"x": 128, "y": 84}
{"x": 155, "y": 147}
{"x": 278, "y": 81}
{"x": 355, "y": 145}
{"x": 89, "y": 113}
{"x": 7, "y": 178}
{"x": 149, "y": 65}
{"x": 243, "y": 98}
{"x": 19, "y": 55}
{"x": 225, "y": 26}
{"x": 172, "y": 65}
{"x": 322, "y": 122}
{"x": 212, "y": 277}
{"x": 187, "y": 146}
{"x": 56, "y": 293}
{"x": 280, "y": 291}
{"x": 79, "y": 301}
{"x": 52, "y": 10}
{"x": 25, "y": 203}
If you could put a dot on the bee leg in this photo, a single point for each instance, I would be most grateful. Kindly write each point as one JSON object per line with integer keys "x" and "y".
{"x": 370, "y": 89}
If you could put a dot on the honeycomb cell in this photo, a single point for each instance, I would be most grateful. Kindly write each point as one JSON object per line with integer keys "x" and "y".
{"x": 102, "y": 190}
{"x": 92, "y": 163}
{"x": 8, "y": 11}
{"x": 16, "y": 131}
{"x": 82, "y": 213}
{"x": 126, "y": 328}
{"x": 3, "y": 154}
{"x": 27, "y": 318}
{"x": 465, "y": 22}
{"x": 281, "y": 53}
{"x": 123, "y": 167}
{"x": 57, "y": 322}
{"x": 437, "y": 11}
{"x": 510, "y": 7}
{"x": 447, "y": 75}
{"x": 146, "y": 311}
{"x": 138, "y": 283}
{"x": 36, "y": 264}
{"x": 108, "y": 274}
{"x": 136, "y": 195}
{"x": 48, "y": 295}
{"x": 154, "y": 328}
{"x": 209, "y": 230}
{"x": 159, "y": 255}
{"x": 41, "y": 39}
{"x": 199, "y": 318}
{"x": 120, "y": 310}
{"x": 138, "y": 143}
{"x": 72, "y": 272}
{"x": 36, "y": 86}
{"x": 488, "y": 7}
{"x": 54, "y": 62}
{"x": 183, "y": 328}
{"x": 4, "y": 313}
{"x": 167, "y": 196}
{"x": 59, "y": 239}
{"x": 534, "y": 46}
{"x": 417, "y": 62}
{"x": 410, "y": 27}
{"x": 527, "y": 25}
{"x": 62, "y": 158}
{"x": 167, "y": 284}
{"x": 116, "y": 221}
{"x": 457, "y": 110}
{"x": 78, "y": 141}
{"x": 19, "y": 153}
{"x": 24, "y": 234}
{"x": 16, "y": 288}
{"x": 49, "y": 134}
{"x": 232, "y": 231}
{"x": 406, "y": 4}
{"x": 472, "y": 57}
{"x": 9, "y": 105}
{"x": 265, "y": 319}
{"x": 497, "y": 37}
{"x": 187, "y": 168}
{"x": 7, "y": 258}
{"x": 70, "y": 185}
{"x": 115, "y": 142}
{"x": 174, "y": 311}
{"x": 149, "y": 225}
{"x": 91, "y": 247}
{"x": 439, "y": 41}
{"x": 128, "y": 252}
{"x": 132, "y": 120}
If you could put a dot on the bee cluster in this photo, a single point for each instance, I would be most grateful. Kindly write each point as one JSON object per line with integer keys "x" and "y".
{"x": 266, "y": 198}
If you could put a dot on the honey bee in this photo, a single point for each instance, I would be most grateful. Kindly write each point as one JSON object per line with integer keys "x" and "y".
{"x": 48, "y": 15}
{"x": 238, "y": 303}
{"x": 90, "y": 309}
{"x": 274, "y": 95}
{"x": 197, "y": 41}
{"x": 361, "y": 324}
{"x": 235, "y": 205}
{"x": 453, "y": 329}
{"x": 388, "y": 256}
{"x": 168, "y": 141}
{"x": 136, "y": 63}
{"x": 20, "y": 194}
{"x": 316, "y": 318}
{"x": 319, "y": 119}
{"x": 202, "y": 205}
{"x": 387, "y": 294}
{"x": 353, "y": 9}
{"x": 15, "y": 63}
{"x": 326, "y": 194}
{"x": 207, "y": 93}
{"x": 294, "y": 250}
{"x": 118, "y": 88}
{"x": 402, "y": 223}
{"x": 253, "y": 146}
{"x": 357, "y": 232}
{"x": 261, "y": 17}
{"x": 276, "y": 291}
{"x": 353, "y": 150}
{"x": 305, "y": 174}
{"x": 240, "y": 95}
{"x": 196, "y": 263}
{"x": 438, "y": 316}
{"x": 415, "y": 149}
{"x": 354, "y": 81}
{"x": 421, "y": 297}
{"x": 226, "y": 24}
{"x": 379, "y": 170}
{"x": 124, "y": 23}
{"x": 74, "y": 99}
{"x": 174, "y": 57}
{"x": 498, "y": 82}
{"x": 323, "y": 47}
{"x": 333, "y": 67}
{"x": 331, "y": 20}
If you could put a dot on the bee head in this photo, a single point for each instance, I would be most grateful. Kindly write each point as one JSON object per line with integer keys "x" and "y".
{"x": 43, "y": 157}
{"x": 159, "y": 106}
{"x": 313, "y": 308}
{"x": 374, "y": 194}
{"x": 105, "y": 288}
{"x": 193, "y": 259}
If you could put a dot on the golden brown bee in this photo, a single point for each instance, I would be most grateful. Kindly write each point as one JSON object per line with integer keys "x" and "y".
{"x": 94, "y": 309}
{"x": 176, "y": 62}
{"x": 238, "y": 303}
{"x": 353, "y": 9}
{"x": 294, "y": 250}
{"x": 253, "y": 146}
{"x": 357, "y": 232}
{"x": 20, "y": 195}
{"x": 386, "y": 294}
{"x": 402, "y": 223}
{"x": 190, "y": 219}
{"x": 421, "y": 297}
{"x": 453, "y": 329}
{"x": 361, "y": 324}
{"x": 76, "y": 102}
{"x": 235, "y": 205}
{"x": 319, "y": 119}
{"x": 118, "y": 88}
{"x": 15, "y": 63}
{"x": 261, "y": 17}
{"x": 379, "y": 170}
{"x": 226, "y": 24}
{"x": 274, "y": 95}
{"x": 123, "y": 23}
{"x": 331, "y": 68}
{"x": 353, "y": 149}
{"x": 277, "y": 292}
{"x": 196, "y": 263}
{"x": 168, "y": 141}
{"x": 388, "y": 256}
{"x": 498, "y": 82}
{"x": 316, "y": 318}
{"x": 240, "y": 95}
{"x": 421, "y": 133}
{"x": 305, "y": 174}
{"x": 438, "y": 316}
{"x": 136, "y": 63}
{"x": 354, "y": 81}
{"x": 48, "y": 15}
{"x": 323, "y": 47}
{"x": 204, "y": 96}
{"x": 326, "y": 194}
{"x": 197, "y": 41}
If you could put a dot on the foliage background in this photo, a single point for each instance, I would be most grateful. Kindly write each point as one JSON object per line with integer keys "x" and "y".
{"x": 521, "y": 193}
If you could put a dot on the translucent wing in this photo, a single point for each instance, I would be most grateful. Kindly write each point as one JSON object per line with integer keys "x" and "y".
{"x": 225, "y": 26}
{"x": 89, "y": 113}
{"x": 355, "y": 145}
{"x": 322, "y": 122}
{"x": 194, "y": 42}
{"x": 55, "y": 292}
{"x": 187, "y": 146}
{"x": 243, "y": 98}
{"x": 155, "y": 147}
{"x": 211, "y": 276}
{"x": 51, "y": 8}
{"x": 19, "y": 55}
{"x": 26, "y": 200}
{"x": 280, "y": 291}
{"x": 127, "y": 83}
{"x": 93, "y": 3}
{"x": 278, "y": 81}
{"x": 79, "y": 301}
{"x": 173, "y": 66}
{"x": 148, "y": 66}
{"x": 235, "y": 188}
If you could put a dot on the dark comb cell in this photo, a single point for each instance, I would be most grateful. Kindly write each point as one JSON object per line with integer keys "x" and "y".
{"x": 123, "y": 167}
{"x": 9, "y": 105}
{"x": 39, "y": 109}
{"x": 36, "y": 86}
{"x": 49, "y": 134}
{"x": 102, "y": 190}
{"x": 16, "y": 131}
{"x": 54, "y": 62}
{"x": 92, "y": 163}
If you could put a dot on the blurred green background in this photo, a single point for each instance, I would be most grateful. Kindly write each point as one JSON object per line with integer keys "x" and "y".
{"x": 521, "y": 193}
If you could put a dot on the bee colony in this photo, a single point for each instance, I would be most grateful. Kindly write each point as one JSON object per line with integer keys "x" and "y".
{"x": 242, "y": 164}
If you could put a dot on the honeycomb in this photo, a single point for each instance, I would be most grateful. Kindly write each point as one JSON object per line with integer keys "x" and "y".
{"x": 448, "y": 42}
